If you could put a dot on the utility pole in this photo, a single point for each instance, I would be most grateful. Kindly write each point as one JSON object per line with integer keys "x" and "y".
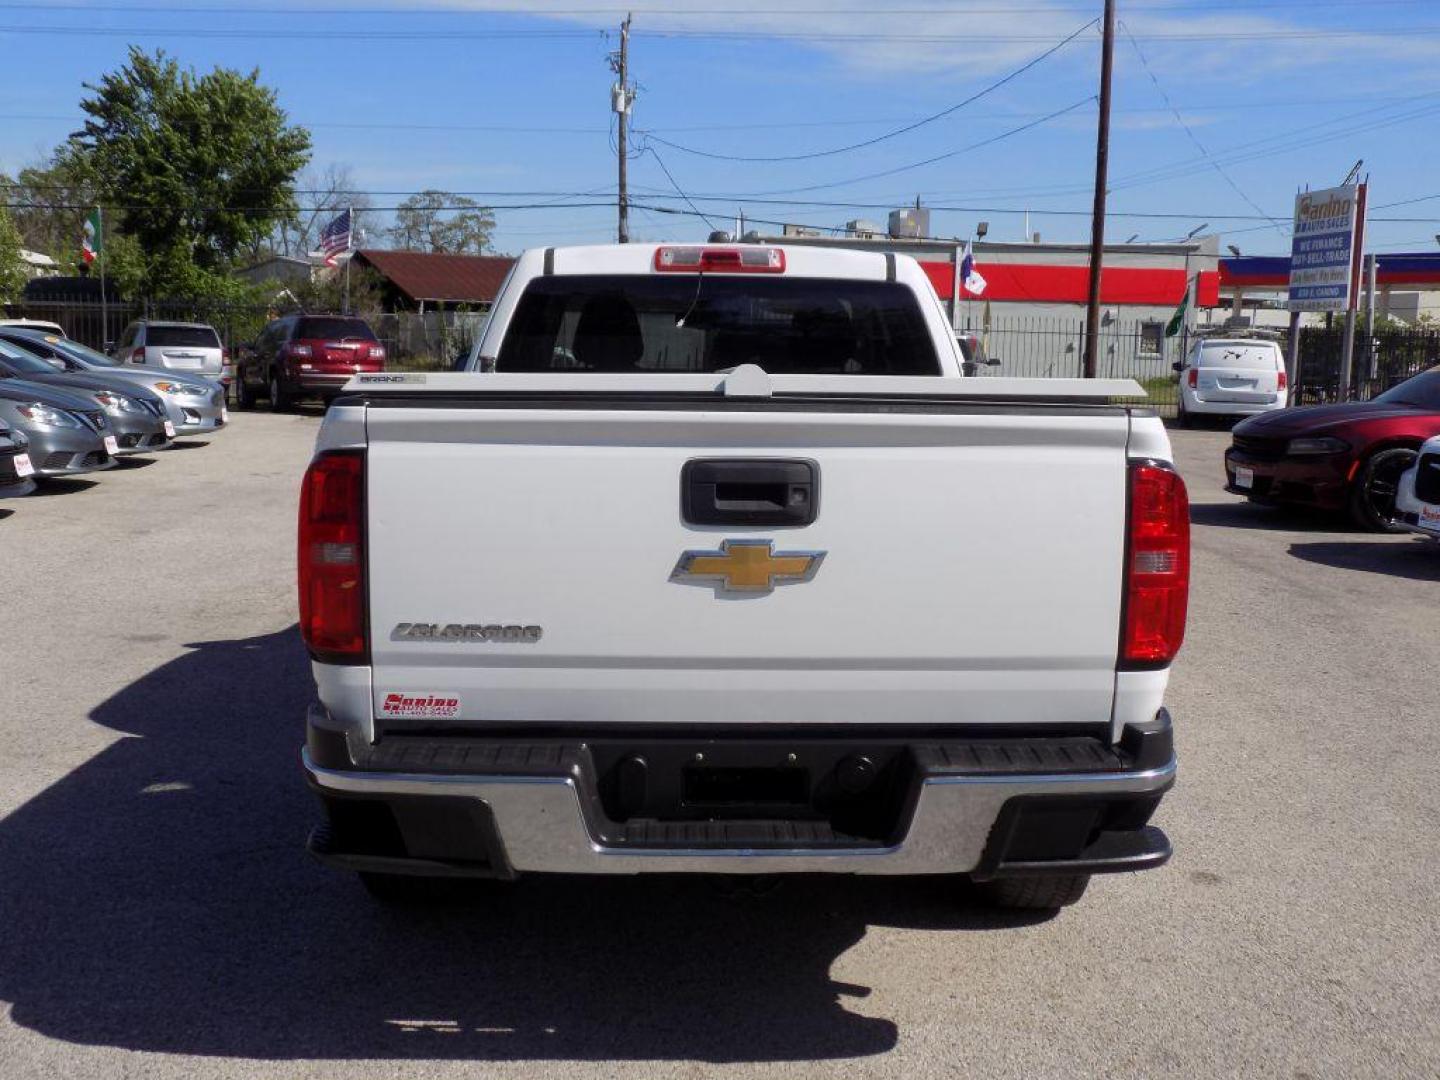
{"x": 1097, "y": 221}
{"x": 622, "y": 95}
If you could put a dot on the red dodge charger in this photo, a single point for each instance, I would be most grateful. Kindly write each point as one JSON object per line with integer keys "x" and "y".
{"x": 1337, "y": 457}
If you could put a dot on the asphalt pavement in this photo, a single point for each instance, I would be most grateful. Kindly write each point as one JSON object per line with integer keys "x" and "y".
{"x": 159, "y": 916}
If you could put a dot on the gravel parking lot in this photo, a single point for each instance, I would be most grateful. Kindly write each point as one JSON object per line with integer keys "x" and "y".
{"x": 159, "y": 916}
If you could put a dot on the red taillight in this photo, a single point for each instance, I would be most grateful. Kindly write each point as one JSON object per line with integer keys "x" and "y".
{"x": 332, "y": 558}
{"x": 377, "y": 353}
{"x": 1282, "y": 380}
{"x": 138, "y": 356}
{"x": 1194, "y": 378}
{"x": 1157, "y": 571}
{"x": 742, "y": 260}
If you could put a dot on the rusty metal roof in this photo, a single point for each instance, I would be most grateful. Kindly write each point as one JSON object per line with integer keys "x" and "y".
{"x": 434, "y": 278}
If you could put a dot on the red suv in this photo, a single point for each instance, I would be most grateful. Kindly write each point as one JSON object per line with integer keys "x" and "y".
{"x": 1337, "y": 457}
{"x": 306, "y": 356}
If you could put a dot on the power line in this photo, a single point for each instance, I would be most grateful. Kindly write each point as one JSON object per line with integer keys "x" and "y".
{"x": 939, "y": 157}
{"x": 805, "y": 36}
{"x": 1247, "y": 6}
{"x": 556, "y": 200}
{"x": 676, "y": 186}
{"x": 906, "y": 129}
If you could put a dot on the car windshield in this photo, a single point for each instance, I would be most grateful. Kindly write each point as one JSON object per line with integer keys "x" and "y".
{"x": 710, "y": 323}
{"x": 18, "y": 359}
{"x": 182, "y": 337}
{"x": 1422, "y": 391}
{"x": 314, "y": 329}
{"x": 83, "y": 353}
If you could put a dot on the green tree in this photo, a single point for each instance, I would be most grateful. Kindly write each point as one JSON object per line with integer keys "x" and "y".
{"x": 200, "y": 167}
{"x": 440, "y": 222}
{"x": 12, "y": 270}
{"x": 53, "y": 202}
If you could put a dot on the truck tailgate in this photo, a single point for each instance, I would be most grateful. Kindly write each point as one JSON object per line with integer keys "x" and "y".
{"x": 971, "y": 571}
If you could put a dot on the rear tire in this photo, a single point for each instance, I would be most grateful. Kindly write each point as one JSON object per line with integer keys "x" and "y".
{"x": 1372, "y": 495}
{"x": 279, "y": 396}
{"x": 1182, "y": 416}
{"x": 244, "y": 396}
{"x": 1043, "y": 893}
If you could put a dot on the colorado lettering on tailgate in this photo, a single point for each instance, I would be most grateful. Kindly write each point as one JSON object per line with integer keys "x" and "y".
{"x": 490, "y": 632}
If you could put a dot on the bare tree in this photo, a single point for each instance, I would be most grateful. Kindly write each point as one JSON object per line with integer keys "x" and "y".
{"x": 321, "y": 194}
{"x": 441, "y": 222}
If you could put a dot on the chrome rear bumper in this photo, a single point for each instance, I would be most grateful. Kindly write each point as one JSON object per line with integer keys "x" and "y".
{"x": 953, "y": 823}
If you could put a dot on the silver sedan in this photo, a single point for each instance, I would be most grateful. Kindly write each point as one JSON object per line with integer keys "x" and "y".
{"x": 194, "y": 404}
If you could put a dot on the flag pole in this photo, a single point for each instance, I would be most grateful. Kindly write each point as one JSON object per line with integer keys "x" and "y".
{"x": 349, "y": 255}
{"x": 104, "y": 303}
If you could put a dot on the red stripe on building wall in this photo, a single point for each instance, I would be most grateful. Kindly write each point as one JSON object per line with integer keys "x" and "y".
{"x": 1041, "y": 284}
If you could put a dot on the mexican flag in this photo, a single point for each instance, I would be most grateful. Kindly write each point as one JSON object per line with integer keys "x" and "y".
{"x": 1177, "y": 321}
{"x": 90, "y": 243}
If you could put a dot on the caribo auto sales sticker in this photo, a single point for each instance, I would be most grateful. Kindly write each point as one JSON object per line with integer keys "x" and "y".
{"x": 419, "y": 706}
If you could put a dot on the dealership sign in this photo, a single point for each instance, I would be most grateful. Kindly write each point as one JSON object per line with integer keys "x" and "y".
{"x": 1325, "y": 251}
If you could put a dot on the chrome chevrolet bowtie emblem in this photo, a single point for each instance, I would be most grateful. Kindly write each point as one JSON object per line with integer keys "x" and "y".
{"x": 746, "y": 566}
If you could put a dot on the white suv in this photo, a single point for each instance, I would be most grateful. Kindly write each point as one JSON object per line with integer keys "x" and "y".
{"x": 191, "y": 348}
{"x": 1232, "y": 377}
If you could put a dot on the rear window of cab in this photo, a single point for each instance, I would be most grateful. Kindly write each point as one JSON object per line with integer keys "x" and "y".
{"x": 703, "y": 322}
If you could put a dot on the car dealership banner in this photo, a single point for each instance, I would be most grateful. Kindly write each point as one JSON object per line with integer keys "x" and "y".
{"x": 1325, "y": 250}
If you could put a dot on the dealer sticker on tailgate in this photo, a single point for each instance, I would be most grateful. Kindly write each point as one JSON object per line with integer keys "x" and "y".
{"x": 419, "y": 706}
{"x": 1244, "y": 478}
{"x": 1429, "y": 516}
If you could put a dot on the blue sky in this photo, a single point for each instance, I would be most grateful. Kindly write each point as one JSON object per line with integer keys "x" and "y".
{"x": 480, "y": 97}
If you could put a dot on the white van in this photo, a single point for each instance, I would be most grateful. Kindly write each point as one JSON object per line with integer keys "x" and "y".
{"x": 1232, "y": 377}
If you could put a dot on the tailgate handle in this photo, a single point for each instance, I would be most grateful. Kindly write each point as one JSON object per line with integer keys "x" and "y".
{"x": 749, "y": 491}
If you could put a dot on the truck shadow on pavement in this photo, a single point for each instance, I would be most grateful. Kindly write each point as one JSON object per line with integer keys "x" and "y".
{"x": 158, "y": 898}
{"x": 1419, "y": 561}
{"x": 1245, "y": 515}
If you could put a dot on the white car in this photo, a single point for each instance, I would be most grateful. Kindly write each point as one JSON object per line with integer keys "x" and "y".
{"x": 1232, "y": 377}
{"x": 1417, "y": 499}
{"x": 44, "y": 326}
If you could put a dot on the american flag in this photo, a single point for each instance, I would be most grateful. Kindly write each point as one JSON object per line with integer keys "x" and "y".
{"x": 335, "y": 237}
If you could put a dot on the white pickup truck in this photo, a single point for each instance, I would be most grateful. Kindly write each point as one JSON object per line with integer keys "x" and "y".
{"x": 716, "y": 563}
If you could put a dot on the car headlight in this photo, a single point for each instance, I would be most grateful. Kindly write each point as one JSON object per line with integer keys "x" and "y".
{"x": 45, "y": 416}
{"x": 180, "y": 389}
{"x": 1324, "y": 445}
{"x": 115, "y": 404}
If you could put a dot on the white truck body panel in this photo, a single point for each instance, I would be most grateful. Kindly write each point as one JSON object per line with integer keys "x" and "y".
{"x": 959, "y": 619}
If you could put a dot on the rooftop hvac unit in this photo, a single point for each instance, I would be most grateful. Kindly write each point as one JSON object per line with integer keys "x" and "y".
{"x": 910, "y": 223}
{"x": 863, "y": 230}
{"x": 799, "y": 230}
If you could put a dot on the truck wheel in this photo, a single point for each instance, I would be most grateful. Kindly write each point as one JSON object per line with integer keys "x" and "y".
{"x": 1045, "y": 893}
{"x": 244, "y": 396}
{"x": 1372, "y": 495}
{"x": 1182, "y": 416}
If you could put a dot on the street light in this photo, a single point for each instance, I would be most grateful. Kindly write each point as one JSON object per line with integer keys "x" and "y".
{"x": 1195, "y": 231}
{"x": 1233, "y": 250}
{"x": 981, "y": 229}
